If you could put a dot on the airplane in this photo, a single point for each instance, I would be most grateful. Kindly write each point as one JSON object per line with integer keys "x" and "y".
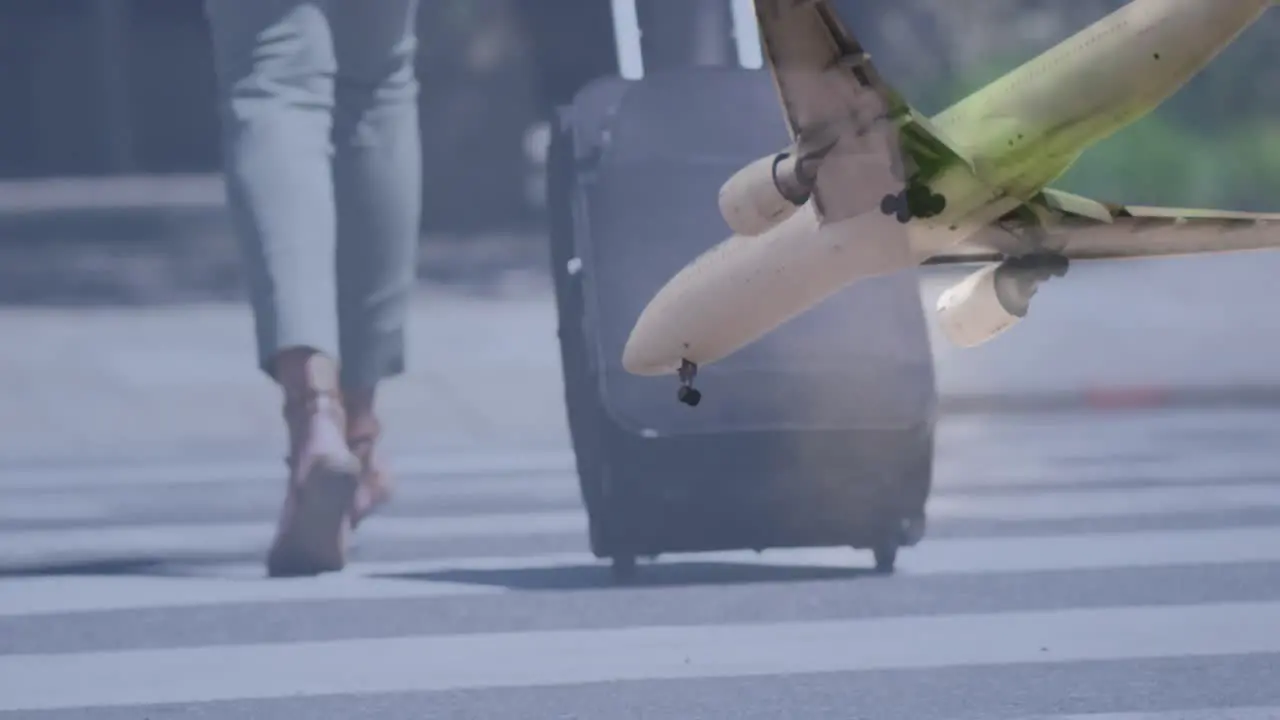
{"x": 870, "y": 186}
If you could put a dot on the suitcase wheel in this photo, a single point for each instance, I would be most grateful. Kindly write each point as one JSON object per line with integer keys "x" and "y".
{"x": 908, "y": 533}
{"x": 886, "y": 555}
{"x": 624, "y": 568}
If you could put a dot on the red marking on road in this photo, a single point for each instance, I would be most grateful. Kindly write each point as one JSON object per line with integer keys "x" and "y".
{"x": 1122, "y": 398}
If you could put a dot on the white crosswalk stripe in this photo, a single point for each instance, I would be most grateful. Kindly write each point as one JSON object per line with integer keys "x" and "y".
{"x": 365, "y": 579}
{"x": 485, "y": 468}
{"x": 138, "y": 677}
{"x": 153, "y": 610}
{"x": 1231, "y": 713}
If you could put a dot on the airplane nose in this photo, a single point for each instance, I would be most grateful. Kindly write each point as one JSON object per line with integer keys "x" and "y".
{"x": 642, "y": 354}
{"x": 654, "y": 346}
{"x": 633, "y": 355}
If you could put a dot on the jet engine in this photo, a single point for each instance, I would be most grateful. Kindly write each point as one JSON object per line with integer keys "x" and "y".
{"x": 765, "y": 193}
{"x": 993, "y": 299}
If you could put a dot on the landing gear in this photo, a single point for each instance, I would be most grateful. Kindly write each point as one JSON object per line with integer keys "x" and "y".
{"x": 687, "y": 394}
{"x": 916, "y": 201}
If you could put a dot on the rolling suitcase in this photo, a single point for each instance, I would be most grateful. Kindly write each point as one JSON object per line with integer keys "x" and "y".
{"x": 818, "y": 434}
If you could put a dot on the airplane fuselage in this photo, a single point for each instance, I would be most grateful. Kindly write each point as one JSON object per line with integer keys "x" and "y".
{"x": 1020, "y": 132}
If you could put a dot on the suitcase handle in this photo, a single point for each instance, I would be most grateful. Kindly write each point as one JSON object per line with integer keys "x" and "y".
{"x": 627, "y": 32}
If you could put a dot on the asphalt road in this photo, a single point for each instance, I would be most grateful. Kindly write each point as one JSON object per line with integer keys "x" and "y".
{"x": 1106, "y": 566}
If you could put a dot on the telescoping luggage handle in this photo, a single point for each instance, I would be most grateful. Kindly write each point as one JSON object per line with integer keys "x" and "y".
{"x": 626, "y": 35}
{"x": 627, "y": 32}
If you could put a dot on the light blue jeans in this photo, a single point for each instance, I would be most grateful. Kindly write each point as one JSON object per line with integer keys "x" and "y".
{"x": 322, "y": 158}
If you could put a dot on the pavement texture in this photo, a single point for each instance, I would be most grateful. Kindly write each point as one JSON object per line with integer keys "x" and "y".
{"x": 1111, "y": 567}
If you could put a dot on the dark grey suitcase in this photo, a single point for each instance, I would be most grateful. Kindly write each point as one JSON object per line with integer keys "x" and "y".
{"x": 819, "y": 434}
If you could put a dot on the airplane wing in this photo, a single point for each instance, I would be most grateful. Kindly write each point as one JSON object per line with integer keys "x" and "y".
{"x": 1078, "y": 228}
{"x": 837, "y": 104}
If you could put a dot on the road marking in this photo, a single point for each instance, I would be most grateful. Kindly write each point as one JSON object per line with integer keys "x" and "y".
{"x": 1229, "y": 713}
{"x": 57, "y": 595}
{"x": 1001, "y": 490}
{"x": 1101, "y": 502}
{"x": 196, "y": 537}
{"x": 44, "y": 508}
{"x": 503, "y": 472}
{"x": 169, "y": 474}
{"x": 49, "y": 545}
{"x": 538, "y": 659}
{"x": 954, "y": 473}
{"x": 240, "y": 582}
{"x": 264, "y": 496}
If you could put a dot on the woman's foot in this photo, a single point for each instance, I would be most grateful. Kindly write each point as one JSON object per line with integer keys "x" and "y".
{"x": 324, "y": 474}
{"x": 363, "y": 431}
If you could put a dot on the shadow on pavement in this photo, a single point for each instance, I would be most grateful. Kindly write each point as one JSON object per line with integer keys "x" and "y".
{"x": 658, "y": 574}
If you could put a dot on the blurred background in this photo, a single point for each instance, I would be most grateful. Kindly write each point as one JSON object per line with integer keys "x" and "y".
{"x": 121, "y": 90}
{"x": 111, "y": 207}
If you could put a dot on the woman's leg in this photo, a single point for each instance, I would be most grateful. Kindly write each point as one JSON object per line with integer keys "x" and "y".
{"x": 378, "y": 183}
{"x": 275, "y": 66}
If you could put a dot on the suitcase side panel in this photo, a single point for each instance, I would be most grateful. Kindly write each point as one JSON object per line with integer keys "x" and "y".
{"x": 728, "y": 488}
{"x": 859, "y": 360}
{"x": 575, "y": 139}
